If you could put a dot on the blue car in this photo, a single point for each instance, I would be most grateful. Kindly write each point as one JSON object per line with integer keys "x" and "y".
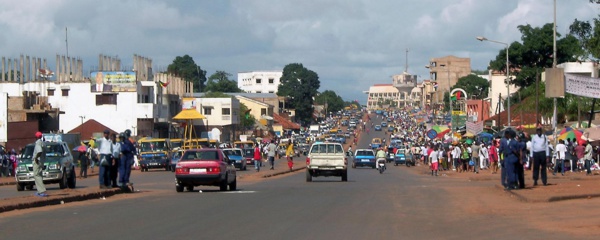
{"x": 237, "y": 157}
{"x": 175, "y": 159}
{"x": 377, "y": 127}
{"x": 384, "y": 124}
{"x": 364, "y": 158}
{"x": 402, "y": 158}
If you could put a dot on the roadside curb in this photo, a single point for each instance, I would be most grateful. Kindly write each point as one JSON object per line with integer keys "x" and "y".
{"x": 49, "y": 201}
{"x": 281, "y": 173}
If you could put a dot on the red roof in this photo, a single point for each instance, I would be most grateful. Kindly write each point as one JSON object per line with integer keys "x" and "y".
{"x": 88, "y": 128}
{"x": 528, "y": 117}
{"x": 286, "y": 124}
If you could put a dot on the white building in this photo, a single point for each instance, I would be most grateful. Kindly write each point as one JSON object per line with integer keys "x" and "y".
{"x": 222, "y": 117}
{"x": 380, "y": 95}
{"x": 259, "y": 82}
{"x": 497, "y": 90}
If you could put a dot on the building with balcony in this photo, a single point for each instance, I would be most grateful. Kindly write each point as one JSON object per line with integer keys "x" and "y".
{"x": 386, "y": 95}
{"x": 259, "y": 81}
{"x": 446, "y": 71}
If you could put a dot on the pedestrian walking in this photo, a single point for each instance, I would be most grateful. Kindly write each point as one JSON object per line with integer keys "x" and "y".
{"x": 14, "y": 161}
{"x": 588, "y": 158}
{"x": 128, "y": 152}
{"x": 509, "y": 150}
{"x": 257, "y": 157}
{"x": 4, "y": 163}
{"x": 561, "y": 151}
{"x": 475, "y": 156}
{"x": 434, "y": 161}
{"x": 271, "y": 154}
{"x": 289, "y": 152}
{"x": 83, "y": 164}
{"x": 519, "y": 167}
{"x": 483, "y": 157}
{"x": 39, "y": 157}
{"x": 105, "y": 150}
{"x": 115, "y": 160}
{"x": 540, "y": 154}
{"x": 493, "y": 153}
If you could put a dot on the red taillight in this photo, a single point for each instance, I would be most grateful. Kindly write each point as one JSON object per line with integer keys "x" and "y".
{"x": 180, "y": 170}
{"x": 213, "y": 169}
{"x": 307, "y": 161}
{"x": 345, "y": 161}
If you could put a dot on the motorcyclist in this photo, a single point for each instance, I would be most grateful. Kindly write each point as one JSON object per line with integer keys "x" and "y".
{"x": 380, "y": 156}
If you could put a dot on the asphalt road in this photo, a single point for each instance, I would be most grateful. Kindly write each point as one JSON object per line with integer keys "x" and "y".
{"x": 397, "y": 204}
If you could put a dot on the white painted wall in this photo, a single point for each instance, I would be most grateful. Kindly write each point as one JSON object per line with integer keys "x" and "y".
{"x": 216, "y": 118}
{"x": 497, "y": 86}
{"x": 247, "y": 81}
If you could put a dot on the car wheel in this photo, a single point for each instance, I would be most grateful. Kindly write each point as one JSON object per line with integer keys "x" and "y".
{"x": 223, "y": 185}
{"x": 72, "y": 181}
{"x": 63, "y": 182}
{"x": 308, "y": 176}
{"x": 29, "y": 187}
{"x": 189, "y": 188}
{"x": 345, "y": 176}
{"x": 20, "y": 187}
{"x": 179, "y": 188}
{"x": 395, "y": 164}
{"x": 233, "y": 185}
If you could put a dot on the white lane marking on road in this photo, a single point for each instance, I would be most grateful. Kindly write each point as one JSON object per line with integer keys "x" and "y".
{"x": 240, "y": 192}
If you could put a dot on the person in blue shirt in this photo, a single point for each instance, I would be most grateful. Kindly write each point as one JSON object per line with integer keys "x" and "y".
{"x": 127, "y": 152}
{"x": 509, "y": 149}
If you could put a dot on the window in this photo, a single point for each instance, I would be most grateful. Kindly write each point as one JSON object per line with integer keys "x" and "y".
{"x": 258, "y": 81}
{"x": 104, "y": 99}
{"x": 226, "y": 111}
{"x": 271, "y": 80}
{"x": 271, "y": 91}
{"x": 50, "y": 92}
{"x": 258, "y": 91}
{"x": 207, "y": 110}
{"x": 65, "y": 93}
{"x": 263, "y": 111}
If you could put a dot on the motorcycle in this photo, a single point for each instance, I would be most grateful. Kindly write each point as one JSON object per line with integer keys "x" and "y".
{"x": 381, "y": 165}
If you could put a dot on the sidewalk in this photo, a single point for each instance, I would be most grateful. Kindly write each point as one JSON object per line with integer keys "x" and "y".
{"x": 574, "y": 185}
{"x": 11, "y": 180}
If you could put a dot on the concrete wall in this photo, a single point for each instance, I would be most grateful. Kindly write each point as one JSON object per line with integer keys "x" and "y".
{"x": 446, "y": 76}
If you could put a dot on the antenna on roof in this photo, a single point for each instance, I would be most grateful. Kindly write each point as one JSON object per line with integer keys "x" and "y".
{"x": 406, "y": 63}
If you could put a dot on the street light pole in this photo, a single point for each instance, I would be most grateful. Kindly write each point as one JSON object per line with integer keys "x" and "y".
{"x": 507, "y": 75}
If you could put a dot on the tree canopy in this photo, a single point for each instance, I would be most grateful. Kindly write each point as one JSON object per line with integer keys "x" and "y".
{"x": 588, "y": 35}
{"x": 299, "y": 85}
{"x": 220, "y": 82}
{"x": 475, "y": 86}
{"x": 186, "y": 68}
{"x": 246, "y": 121}
{"x": 329, "y": 98}
{"x": 528, "y": 59}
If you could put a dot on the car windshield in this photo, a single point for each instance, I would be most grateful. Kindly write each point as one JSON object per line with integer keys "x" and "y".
{"x": 327, "y": 148}
{"x": 52, "y": 150}
{"x": 231, "y": 152}
{"x": 200, "y": 156}
{"x": 365, "y": 153}
{"x": 153, "y": 146}
{"x": 177, "y": 155}
{"x": 376, "y": 140}
{"x": 248, "y": 152}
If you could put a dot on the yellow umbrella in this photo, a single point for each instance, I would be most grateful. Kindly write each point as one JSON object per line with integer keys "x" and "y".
{"x": 188, "y": 115}
{"x": 469, "y": 135}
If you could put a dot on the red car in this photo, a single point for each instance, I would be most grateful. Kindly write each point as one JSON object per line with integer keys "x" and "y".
{"x": 205, "y": 167}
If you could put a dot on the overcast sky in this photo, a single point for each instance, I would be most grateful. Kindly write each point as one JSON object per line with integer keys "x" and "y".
{"x": 351, "y": 44}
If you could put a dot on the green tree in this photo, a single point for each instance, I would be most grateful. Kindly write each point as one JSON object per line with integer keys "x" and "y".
{"x": 588, "y": 35}
{"x": 247, "y": 121}
{"x": 331, "y": 99}
{"x": 299, "y": 85}
{"x": 186, "y": 68}
{"x": 528, "y": 59}
{"x": 475, "y": 86}
{"x": 220, "y": 82}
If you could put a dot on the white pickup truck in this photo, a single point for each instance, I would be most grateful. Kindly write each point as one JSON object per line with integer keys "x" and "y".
{"x": 326, "y": 159}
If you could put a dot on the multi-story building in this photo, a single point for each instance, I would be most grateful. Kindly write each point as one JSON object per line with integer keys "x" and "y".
{"x": 382, "y": 95}
{"x": 259, "y": 81}
{"x": 498, "y": 91}
{"x": 446, "y": 71}
{"x": 119, "y": 100}
{"x": 222, "y": 117}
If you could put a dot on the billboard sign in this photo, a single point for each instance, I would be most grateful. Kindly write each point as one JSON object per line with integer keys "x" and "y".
{"x": 3, "y": 117}
{"x": 113, "y": 82}
{"x": 188, "y": 103}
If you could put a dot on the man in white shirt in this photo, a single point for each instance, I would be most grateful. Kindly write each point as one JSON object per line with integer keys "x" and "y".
{"x": 561, "y": 151}
{"x": 105, "y": 149}
{"x": 456, "y": 157}
{"x": 539, "y": 153}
